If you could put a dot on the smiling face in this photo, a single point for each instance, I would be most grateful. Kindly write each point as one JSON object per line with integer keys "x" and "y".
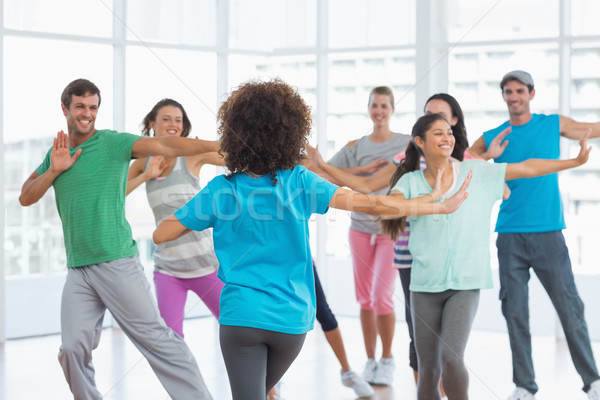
{"x": 380, "y": 109}
{"x": 517, "y": 96}
{"x": 81, "y": 114}
{"x": 169, "y": 122}
{"x": 439, "y": 140}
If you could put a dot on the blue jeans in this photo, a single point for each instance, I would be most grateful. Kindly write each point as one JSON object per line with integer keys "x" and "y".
{"x": 547, "y": 254}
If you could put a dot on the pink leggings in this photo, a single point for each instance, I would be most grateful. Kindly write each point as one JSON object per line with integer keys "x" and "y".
{"x": 374, "y": 274}
{"x": 171, "y": 294}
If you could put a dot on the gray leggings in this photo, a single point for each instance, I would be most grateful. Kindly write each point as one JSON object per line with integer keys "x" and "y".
{"x": 256, "y": 359}
{"x": 442, "y": 323}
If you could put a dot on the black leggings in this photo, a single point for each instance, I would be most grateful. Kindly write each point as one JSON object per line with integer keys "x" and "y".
{"x": 256, "y": 359}
{"x": 324, "y": 314}
{"x": 412, "y": 353}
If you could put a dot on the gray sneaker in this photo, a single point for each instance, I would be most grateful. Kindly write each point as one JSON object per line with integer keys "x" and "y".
{"x": 521, "y": 394}
{"x": 352, "y": 380}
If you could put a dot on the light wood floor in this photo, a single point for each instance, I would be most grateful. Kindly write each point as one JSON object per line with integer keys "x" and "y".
{"x": 29, "y": 368}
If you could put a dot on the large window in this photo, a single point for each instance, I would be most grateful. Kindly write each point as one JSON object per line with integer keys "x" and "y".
{"x": 267, "y": 25}
{"x": 140, "y": 51}
{"x": 35, "y": 73}
{"x": 184, "y": 22}
{"x": 477, "y": 20}
{"x": 86, "y": 18}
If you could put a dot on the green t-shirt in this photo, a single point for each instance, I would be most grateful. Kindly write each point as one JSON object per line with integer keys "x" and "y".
{"x": 453, "y": 251}
{"x": 90, "y": 197}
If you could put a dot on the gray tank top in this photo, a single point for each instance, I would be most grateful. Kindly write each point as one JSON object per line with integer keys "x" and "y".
{"x": 192, "y": 255}
{"x": 363, "y": 152}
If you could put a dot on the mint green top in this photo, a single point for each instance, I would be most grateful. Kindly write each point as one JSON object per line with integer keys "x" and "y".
{"x": 90, "y": 198}
{"x": 453, "y": 251}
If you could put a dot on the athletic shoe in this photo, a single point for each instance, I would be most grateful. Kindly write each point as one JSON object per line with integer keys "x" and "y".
{"x": 594, "y": 392}
{"x": 352, "y": 380}
{"x": 369, "y": 371}
{"x": 521, "y": 394}
{"x": 384, "y": 374}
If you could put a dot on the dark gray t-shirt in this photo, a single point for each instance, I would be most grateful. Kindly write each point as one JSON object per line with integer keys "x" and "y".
{"x": 363, "y": 152}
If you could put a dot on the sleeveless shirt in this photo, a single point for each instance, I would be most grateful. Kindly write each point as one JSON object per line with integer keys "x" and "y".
{"x": 192, "y": 255}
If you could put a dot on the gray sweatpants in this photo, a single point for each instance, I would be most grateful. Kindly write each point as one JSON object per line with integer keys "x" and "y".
{"x": 122, "y": 287}
{"x": 442, "y": 323}
{"x": 256, "y": 359}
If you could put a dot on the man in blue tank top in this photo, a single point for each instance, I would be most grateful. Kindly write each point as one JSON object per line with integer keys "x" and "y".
{"x": 529, "y": 227}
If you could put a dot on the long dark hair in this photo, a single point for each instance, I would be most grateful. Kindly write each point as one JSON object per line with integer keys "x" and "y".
{"x": 412, "y": 162}
{"x": 459, "y": 130}
{"x": 151, "y": 117}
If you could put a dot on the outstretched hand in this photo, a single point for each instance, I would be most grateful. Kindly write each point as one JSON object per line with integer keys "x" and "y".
{"x": 497, "y": 145}
{"x": 315, "y": 156}
{"x": 454, "y": 202}
{"x": 60, "y": 158}
{"x": 373, "y": 166}
{"x": 584, "y": 150}
{"x": 156, "y": 166}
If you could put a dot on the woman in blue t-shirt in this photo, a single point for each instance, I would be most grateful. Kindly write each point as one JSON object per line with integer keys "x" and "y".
{"x": 259, "y": 213}
{"x": 451, "y": 253}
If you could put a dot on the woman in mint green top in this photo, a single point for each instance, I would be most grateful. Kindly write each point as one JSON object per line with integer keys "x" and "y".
{"x": 451, "y": 260}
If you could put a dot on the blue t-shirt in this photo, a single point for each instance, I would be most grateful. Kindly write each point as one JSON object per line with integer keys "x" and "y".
{"x": 261, "y": 239}
{"x": 534, "y": 204}
{"x": 453, "y": 251}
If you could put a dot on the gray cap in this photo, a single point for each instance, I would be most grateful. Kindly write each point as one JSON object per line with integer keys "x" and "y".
{"x": 518, "y": 75}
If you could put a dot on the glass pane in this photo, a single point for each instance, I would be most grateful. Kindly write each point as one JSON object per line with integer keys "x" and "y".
{"x": 298, "y": 71}
{"x": 584, "y": 17}
{"x": 186, "y": 22}
{"x": 167, "y": 74}
{"x": 75, "y": 17}
{"x": 45, "y": 67}
{"x": 475, "y": 20}
{"x": 272, "y": 24}
{"x": 580, "y": 185}
{"x": 361, "y": 23}
{"x": 174, "y": 74}
{"x": 33, "y": 243}
{"x": 474, "y": 75}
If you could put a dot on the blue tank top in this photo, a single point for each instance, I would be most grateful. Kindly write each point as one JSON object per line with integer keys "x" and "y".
{"x": 535, "y": 204}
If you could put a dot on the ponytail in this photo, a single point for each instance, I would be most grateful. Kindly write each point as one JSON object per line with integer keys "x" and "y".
{"x": 411, "y": 162}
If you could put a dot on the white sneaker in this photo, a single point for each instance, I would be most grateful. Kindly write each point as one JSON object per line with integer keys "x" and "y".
{"x": 369, "y": 371}
{"x": 594, "y": 392}
{"x": 384, "y": 374}
{"x": 521, "y": 394}
{"x": 352, "y": 380}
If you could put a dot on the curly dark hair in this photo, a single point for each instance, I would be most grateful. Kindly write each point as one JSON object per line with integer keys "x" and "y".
{"x": 263, "y": 128}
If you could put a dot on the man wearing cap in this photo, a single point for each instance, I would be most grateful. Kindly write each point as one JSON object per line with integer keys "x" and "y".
{"x": 529, "y": 227}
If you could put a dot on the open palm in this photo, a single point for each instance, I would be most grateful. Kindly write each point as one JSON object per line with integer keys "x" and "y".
{"x": 60, "y": 158}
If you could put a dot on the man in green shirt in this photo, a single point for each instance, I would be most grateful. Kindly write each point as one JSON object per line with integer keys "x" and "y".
{"x": 88, "y": 170}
